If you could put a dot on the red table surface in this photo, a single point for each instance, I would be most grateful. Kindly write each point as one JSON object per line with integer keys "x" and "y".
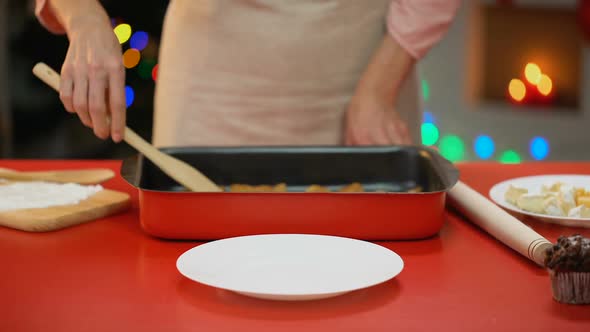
{"x": 109, "y": 276}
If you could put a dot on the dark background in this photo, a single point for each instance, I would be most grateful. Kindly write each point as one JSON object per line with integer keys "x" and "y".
{"x": 37, "y": 124}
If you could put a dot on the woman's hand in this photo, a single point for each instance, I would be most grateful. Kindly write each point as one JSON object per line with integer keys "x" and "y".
{"x": 370, "y": 121}
{"x": 93, "y": 77}
{"x": 371, "y": 118}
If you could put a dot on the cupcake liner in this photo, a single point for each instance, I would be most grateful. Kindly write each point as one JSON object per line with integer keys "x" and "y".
{"x": 571, "y": 287}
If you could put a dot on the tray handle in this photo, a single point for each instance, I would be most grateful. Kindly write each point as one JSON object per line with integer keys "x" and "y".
{"x": 446, "y": 170}
{"x": 131, "y": 169}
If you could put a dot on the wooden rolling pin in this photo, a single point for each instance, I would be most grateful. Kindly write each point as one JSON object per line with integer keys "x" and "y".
{"x": 83, "y": 176}
{"x": 499, "y": 223}
{"x": 178, "y": 170}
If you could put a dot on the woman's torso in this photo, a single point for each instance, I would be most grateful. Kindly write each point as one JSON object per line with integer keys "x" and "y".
{"x": 264, "y": 72}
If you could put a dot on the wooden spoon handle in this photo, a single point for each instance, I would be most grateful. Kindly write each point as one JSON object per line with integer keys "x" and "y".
{"x": 189, "y": 177}
{"x": 52, "y": 78}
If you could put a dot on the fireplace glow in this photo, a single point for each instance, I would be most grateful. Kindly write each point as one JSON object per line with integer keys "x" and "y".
{"x": 532, "y": 72}
{"x": 537, "y": 89}
{"x": 517, "y": 89}
{"x": 545, "y": 85}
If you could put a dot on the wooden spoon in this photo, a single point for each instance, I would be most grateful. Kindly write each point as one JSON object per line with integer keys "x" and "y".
{"x": 86, "y": 176}
{"x": 178, "y": 170}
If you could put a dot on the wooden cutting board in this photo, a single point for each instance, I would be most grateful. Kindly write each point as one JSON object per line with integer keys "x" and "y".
{"x": 100, "y": 205}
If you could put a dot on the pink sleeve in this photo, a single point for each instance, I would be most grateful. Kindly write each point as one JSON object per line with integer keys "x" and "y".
{"x": 419, "y": 24}
{"x": 47, "y": 17}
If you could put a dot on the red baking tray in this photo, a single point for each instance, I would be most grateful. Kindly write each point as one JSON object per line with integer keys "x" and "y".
{"x": 168, "y": 211}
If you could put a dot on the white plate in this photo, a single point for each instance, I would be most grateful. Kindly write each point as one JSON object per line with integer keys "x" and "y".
{"x": 534, "y": 184}
{"x": 290, "y": 266}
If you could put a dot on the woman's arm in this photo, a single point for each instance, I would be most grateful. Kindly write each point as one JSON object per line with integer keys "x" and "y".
{"x": 59, "y": 16}
{"x": 417, "y": 25}
{"x": 92, "y": 75}
{"x": 371, "y": 118}
{"x": 413, "y": 27}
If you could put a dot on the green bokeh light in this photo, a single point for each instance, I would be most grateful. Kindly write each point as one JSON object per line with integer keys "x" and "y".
{"x": 452, "y": 147}
{"x": 510, "y": 157}
{"x": 429, "y": 134}
{"x": 144, "y": 69}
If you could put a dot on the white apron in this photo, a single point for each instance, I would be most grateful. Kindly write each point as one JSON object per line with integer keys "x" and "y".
{"x": 266, "y": 72}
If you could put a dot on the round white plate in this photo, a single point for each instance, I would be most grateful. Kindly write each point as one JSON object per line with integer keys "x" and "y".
{"x": 290, "y": 266}
{"x": 534, "y": 185}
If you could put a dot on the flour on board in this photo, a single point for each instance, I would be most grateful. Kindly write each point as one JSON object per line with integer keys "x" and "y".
{"x": 34, "y": 195}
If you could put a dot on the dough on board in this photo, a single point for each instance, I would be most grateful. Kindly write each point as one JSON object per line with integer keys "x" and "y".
{"x": 35, "y": 195}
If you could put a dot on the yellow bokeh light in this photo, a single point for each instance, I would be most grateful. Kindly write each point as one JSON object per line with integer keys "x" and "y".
{"x": 123, "y": 32}
{"x": 517, "y": 89}
{"x": 532, "y": 72}
{"x": 545, "y": 85}
{"x": 131, "y": 58}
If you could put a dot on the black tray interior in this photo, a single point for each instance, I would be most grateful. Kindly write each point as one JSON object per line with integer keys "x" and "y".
{"x": 391, "y": 169}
